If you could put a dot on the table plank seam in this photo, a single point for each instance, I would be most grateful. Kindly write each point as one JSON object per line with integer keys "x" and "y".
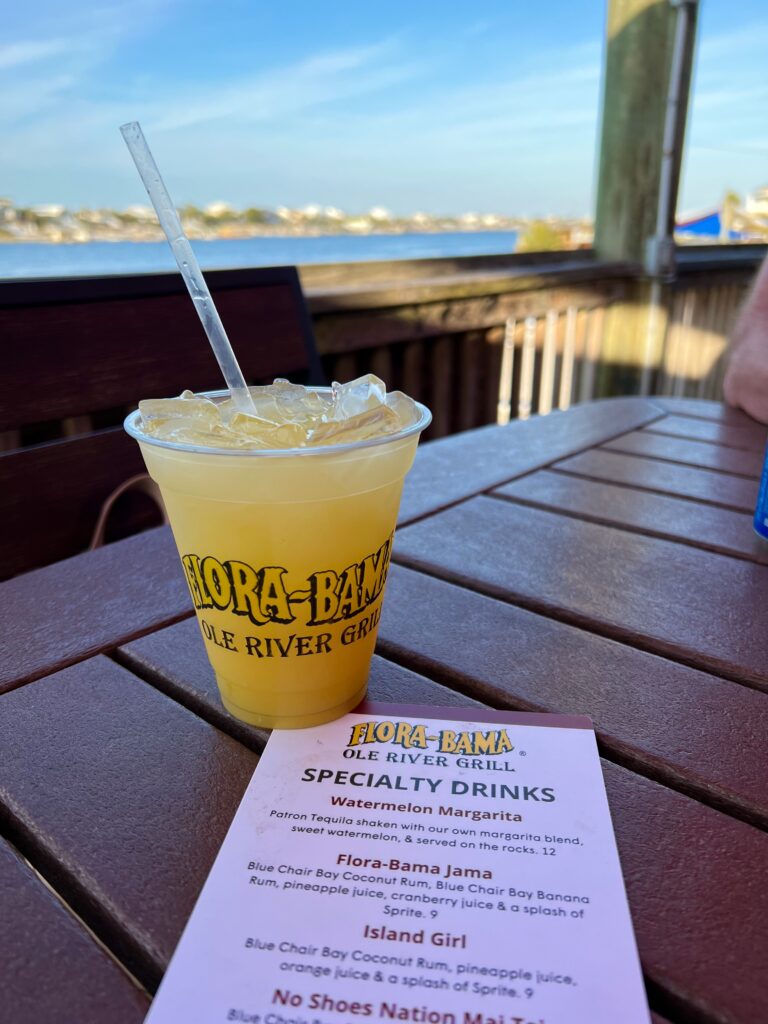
{"x": 646, "y": 765}
{"x": 610, "y": 446}
{"x": 223, "y": 721}
{"x": 580, "y": 475}
{"x": 655, "y": 428}
{"x": 628, "y": 637}
{"x": 87, "y": 907}
{"x": 615, "y": 524}
{"x": 691, "y": 414}
{"x": 420, "y": 516}
{"x": 71, "y": 912}
{"x": 560, "y": 458}
{"x": 92, "y": 652}
{"x": 489, "y": 491}
{"x": 666, "y": 1001}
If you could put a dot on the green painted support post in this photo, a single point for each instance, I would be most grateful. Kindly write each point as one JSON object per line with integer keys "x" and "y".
{"x": 639, "y": 59}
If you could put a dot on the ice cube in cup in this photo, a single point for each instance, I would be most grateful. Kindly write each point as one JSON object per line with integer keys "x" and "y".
{"x": 286, "y": 416}
{"x": 188, "y": 406}
{"x": 357, "y": 397}
{"x": 363, "y": 426}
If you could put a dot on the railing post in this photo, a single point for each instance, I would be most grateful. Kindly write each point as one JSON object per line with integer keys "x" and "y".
{"x": 506, "y": 374}
{"x": 566, "y": 369}
{"x": 525, "y": 396}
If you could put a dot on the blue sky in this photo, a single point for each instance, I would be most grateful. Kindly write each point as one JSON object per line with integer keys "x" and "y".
{"x": 422, "y": 105}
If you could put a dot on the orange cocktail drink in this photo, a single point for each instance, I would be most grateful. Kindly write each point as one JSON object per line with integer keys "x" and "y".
{"x": 284, "y": 527}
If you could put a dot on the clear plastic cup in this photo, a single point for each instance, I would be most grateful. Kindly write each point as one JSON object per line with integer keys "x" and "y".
{"x": 286, "y": 556}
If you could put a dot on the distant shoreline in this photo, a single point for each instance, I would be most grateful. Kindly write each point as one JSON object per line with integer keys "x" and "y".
{"x": 152, "y": 237}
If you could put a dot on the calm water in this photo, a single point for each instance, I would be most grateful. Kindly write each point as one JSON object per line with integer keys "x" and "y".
{"x": 33, "y": 259}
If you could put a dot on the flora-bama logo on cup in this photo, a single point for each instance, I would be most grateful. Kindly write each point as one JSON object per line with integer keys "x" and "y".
{"x": 262, "y": 595}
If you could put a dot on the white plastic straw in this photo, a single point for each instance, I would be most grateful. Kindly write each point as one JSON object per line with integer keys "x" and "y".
{"x": 188, "y": 265}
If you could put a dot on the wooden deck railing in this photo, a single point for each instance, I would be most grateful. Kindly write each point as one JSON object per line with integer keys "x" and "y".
{"x": 436, "y": 329}
{"x": 486, "y": 339}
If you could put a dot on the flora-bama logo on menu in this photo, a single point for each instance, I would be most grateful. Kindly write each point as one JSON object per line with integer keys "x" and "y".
{"x": 417, "y": 735}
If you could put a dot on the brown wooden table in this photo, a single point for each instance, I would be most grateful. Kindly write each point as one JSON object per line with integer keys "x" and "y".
{"x": 598, "y": 561}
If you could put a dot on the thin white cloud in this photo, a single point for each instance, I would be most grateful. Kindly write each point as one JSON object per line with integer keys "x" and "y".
{"x": 82, "y": 40}
{"x": 290, "y": 90}
{"x": 735, "y": 42}
{"x": 528, "y": 97}
{"x": 15, "y": 55}
{"x": 37, "y": 95}
{"x": 752, "y": 147}
{"x": 478, "y": 28}
{"x": 729, "y": 96}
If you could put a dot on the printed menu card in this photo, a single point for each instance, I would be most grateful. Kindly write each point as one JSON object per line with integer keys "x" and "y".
{"x": 427, "y": 864}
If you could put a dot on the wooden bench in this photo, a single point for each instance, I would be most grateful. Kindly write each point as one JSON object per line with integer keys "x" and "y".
{"x": 80, "y": 353}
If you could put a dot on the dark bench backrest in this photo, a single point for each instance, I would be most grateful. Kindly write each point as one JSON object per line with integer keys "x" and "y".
{"x": 91, "y": 348}
{"x": 78, "y": 346}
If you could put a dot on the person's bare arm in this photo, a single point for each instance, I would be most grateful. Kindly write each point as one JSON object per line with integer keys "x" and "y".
{"x": 746, "y": 379}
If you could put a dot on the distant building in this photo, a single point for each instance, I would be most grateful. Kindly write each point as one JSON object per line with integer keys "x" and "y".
{"x": 52, "y": 210}
{"x": 379, "y": 213}
{"x": 756, "y": 204}
{"x": 219, "y": 209}
{"x": 141, "y": 213}
{"x": 582, "y": 235}
{"x": 360, "y": 224}
{"x": 108, "y": 220}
